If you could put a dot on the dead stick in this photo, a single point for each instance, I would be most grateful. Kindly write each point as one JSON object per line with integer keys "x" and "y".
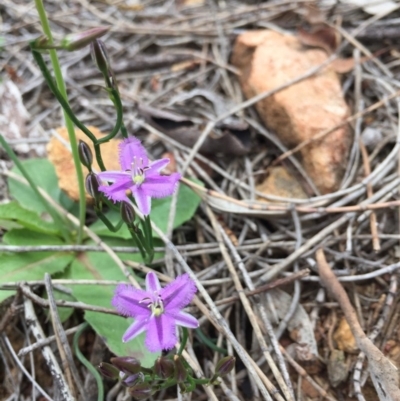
{"x": 383, "y": 372}
{"x": 269, "y": 286}
{"x": 72, "y": 373}
{"x": 372, "y": 218}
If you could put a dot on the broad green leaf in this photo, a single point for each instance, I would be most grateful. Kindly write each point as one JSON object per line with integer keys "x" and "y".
{"x": 30, "y": 266}
{"x": 187, "y": 203}
{"x": 24, "y": 236}
{"x": 13, "y": 212}
{"x": 99, "y": 266}
{"x": 43, "y": 174}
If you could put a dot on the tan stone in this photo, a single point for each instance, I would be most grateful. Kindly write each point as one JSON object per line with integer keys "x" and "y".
{"x": 281, "y": 183}
{"x": 63, "y": 162}
{"x": 267, "y": 60}
{"x": 344, "y": 337}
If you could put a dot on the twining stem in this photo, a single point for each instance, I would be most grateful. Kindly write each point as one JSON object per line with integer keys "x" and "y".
{"x": 68, "y": 123}
{"x": 67, "y": 109}
{"x": 58, "y": 220}
{"x": 89, "y": 366}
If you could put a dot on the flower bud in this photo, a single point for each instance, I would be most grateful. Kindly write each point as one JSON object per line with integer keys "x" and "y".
{"x": 109, "y": 370}
{"x": 100, "y": 57}
{"x": 164, "y": 367}
{"x": 76, "y": 41}
{"x": 126, "y": 364}
{"x": 141, "y": 391}
{"x": 129, "y": 380}
{"x": 127, "y": 213}
{"x": 180, "y": 369}
{"x": 225, "y": 365}
{"x": 85, "y": 155}
{"x": 92, "y": 184}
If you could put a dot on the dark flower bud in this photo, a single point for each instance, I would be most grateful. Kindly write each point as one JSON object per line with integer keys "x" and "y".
{"x": 92, "y": 184}
{"x": 127, "y": 213}
{"x": 225, "y": 365}
{"x": 180, "y": 369}
{"x": 127, "y": 364}
{"x": 164, "y": 367}
{"x": 129, "y": 380}
{"x": 76, "y": 41}
{"x": 109, "y": 370}
{"x": 85, "y": 155}
{"x": 141, "y": 391}
{"x": 100, "y": 57}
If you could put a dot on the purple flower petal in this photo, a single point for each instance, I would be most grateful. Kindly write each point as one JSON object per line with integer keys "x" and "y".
{"x": 129, "y": 301}
{"x": 139, "y": 326}
{"x": 161, "y": 333}
{"x": 157, "y": 310}
{"x": 117, "y": 191}
{"x": 130, "y": 148}
{"x": 143, "y": 201}
{"x": 152, "y": 283}
{"x": 178, "y": 293}
{"x": 186, "y": 320}
{"x": 160, "y": 186}
{"x": 157, "y": 166}
{"x": 113, "y": 176}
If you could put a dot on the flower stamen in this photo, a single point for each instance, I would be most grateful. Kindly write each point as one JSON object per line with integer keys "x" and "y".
{"x": 137, "y": 171}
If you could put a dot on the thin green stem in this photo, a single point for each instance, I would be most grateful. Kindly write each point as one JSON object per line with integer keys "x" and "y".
{"x": 204, "y": 339}
{"x": 68, "y": 123}
{"x": 108, "y": 223}
{"x": 88, "y": 365}
{"x": 138, "y": 243}
{"x": 58, "y": 220}
{"x": 67, "y": 109}
{"x": 185, "y": 335}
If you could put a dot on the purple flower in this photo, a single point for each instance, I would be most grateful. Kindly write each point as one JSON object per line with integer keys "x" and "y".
{"x": 156, "y": 310}
{"x": 139, "y": 177}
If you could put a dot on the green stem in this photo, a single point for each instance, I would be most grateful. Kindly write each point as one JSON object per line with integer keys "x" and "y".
{"x": 64, "y": 104}
{"x": 138, "y": 243}
{"x": 67, "y": 109}
{"x": 148, "y": 232}
{"x": 108, "y": 223}
{"x": 88, "y": 365}
{"x": 185, "y": 335}
{"x": 68, "y": 123}
{"x": 58, "y": 220}
{"x": 150, "y": 251}
{"x": 204, "y": 339}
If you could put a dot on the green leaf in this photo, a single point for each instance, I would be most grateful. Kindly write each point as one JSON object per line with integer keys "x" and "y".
{"x": 187, "y": 204}
{"x": 43, "y": 174}
{"x": 24, "y": 236}
{"x": 30, "y": 266}
{"x": 99, "y": 266}
{"x": 13, "y": 212}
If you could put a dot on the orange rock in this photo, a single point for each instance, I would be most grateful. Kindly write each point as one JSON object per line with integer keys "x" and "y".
{"x": 63, "y": 162}
{"x": 267, "y": 60}
{"x": 344, "y": 337}
{"x": 281, "y": 183}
